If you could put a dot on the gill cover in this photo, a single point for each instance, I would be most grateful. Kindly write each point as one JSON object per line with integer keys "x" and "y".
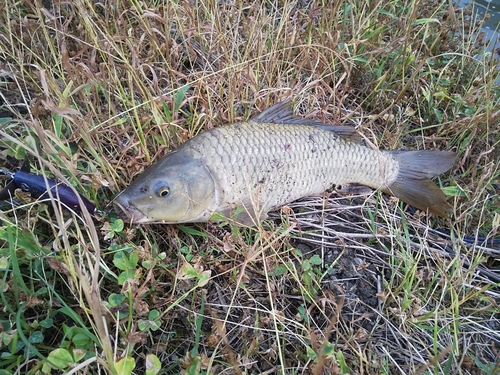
{"x": 170, "y": 191}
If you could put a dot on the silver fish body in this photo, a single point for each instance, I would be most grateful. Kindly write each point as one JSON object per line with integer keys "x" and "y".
{"x": 246, "y": 169}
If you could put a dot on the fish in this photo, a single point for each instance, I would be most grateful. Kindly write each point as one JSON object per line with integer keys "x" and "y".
{"x": 244, "y": 170}
{"x": 38, "y": 187}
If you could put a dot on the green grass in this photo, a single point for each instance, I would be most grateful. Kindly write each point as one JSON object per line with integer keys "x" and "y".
{"x": 335, "y": 286}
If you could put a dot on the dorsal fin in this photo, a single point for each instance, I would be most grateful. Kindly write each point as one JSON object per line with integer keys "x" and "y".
{"x": 281, "y": 113}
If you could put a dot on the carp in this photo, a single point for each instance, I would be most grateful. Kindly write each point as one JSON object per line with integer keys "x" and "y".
{"x": 250, "y": 168}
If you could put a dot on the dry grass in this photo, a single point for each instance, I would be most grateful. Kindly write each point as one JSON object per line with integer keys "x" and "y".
{"x": 365, "y": 285}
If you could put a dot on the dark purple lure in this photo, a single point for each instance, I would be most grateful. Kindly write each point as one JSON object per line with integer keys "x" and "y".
{"x": 37, "y": 187}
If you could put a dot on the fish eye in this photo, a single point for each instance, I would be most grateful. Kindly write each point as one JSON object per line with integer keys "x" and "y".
{"x": 162, "y": 190}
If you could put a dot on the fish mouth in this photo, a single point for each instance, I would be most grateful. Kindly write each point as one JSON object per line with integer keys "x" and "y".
{"x": 130, "y": 213}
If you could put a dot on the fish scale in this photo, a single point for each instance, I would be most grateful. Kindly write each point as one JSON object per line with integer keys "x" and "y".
{"x": 252, "y": 167}
{"x": 281, "y": 163}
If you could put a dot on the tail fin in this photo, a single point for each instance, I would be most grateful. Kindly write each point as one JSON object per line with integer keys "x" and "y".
{"x": 413, "y": 184}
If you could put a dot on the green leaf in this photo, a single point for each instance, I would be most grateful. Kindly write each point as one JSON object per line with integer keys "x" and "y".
{"x": 279, "y": 270}
{"x": 68, "y": 311}
{"x": 20, "y": 153}
{"x": 36, "y": 337}
{"x": 311, "y": 354}
{"x": 218, "y": 217}
{"x": 30, "y": 142}
{"x": 385, "y": 13}
{"x": 204, "y": 277}
{"x": 361, "y": 59}
{"x": 133, "y": 260}
{"x": 297, "y": 252}
{"x": 179, "y": 96}
{"x": 188, "y": 271}
{"x": 117, "y": 225}
{"x": 4, "y": 263}
{"x": 438, "y": 114}
{"x": 125, "y": 366}
{"x": 81, "y": 340}
{"x": 46, "y": 369}
{"x": 145, "y": 325}
{"x": 58, "y": 121}
{"x": 60, "y": 358}
{"x": 47, "y": 323}
{"x": 153, "y": 365}
{"x": 303, "y": 313}
{"x": 454, "y": 191}
{"x": 328, "y": 349}
{"x": 79, "y": 354}
{"x": 342, "y": 363}
{"x": 195, "y": 366}
{"x": 316, "y": 260}
{"x": 124, "y": 262}
{"x": 24, "y": 240}
{"x": 125, "y": 275}
{"x": 115, "y": 299}
{"x": 166, "y": 112}
{"x": 120, "y": 260}
{"x": 192, "y": 231}
{"x": 423, "y": 21}
{"x": 306, "y": 265}
{"x": 487, "y": 368}
{"x": 4, "y": 120}
{"x": 307, "y": 279}
{"x": 153, "y": 315}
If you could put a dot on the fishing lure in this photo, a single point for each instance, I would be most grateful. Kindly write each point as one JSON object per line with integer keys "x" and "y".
{"x": 38, "y": 187}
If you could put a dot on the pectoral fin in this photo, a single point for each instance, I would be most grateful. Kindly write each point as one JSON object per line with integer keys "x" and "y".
{"x": 243, "y": 215}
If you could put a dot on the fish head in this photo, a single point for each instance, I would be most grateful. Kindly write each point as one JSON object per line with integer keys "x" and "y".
{"x": 171, "y": 191}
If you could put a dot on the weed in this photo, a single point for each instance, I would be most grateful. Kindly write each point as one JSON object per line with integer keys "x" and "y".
{"x": 94, "y": 92}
